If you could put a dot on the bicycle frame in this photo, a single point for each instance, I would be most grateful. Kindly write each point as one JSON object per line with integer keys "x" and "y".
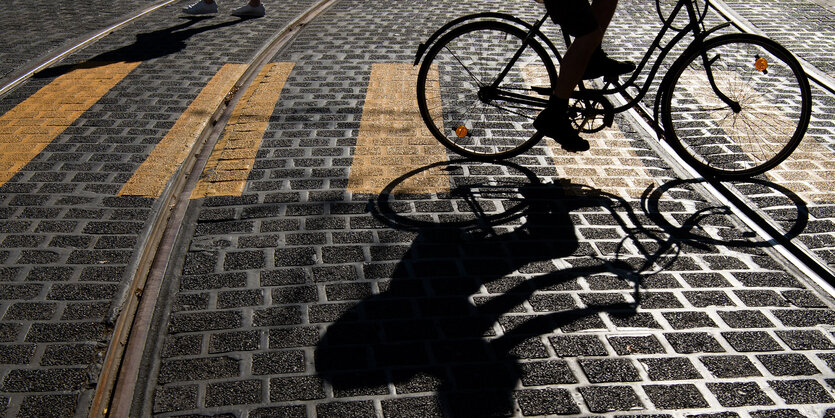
{"x": 694, "y": 27}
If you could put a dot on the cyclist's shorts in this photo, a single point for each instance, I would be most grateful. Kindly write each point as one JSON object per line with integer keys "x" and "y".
{"x": 574, "y": 16}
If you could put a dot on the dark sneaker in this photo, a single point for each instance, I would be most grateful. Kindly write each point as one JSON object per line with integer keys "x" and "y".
{"x": 601, "y": 65}
{"x": 554, "y": 123}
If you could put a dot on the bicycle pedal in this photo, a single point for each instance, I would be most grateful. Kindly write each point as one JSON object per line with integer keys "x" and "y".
{"x": 545, "y": 91}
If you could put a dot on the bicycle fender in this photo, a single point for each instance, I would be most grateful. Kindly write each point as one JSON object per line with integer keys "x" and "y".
{"x": 423, "y": 47}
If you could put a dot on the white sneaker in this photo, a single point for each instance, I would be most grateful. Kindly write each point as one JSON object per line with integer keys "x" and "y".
{"x": 201, "y": 8}
{"x": 250, "y": 11}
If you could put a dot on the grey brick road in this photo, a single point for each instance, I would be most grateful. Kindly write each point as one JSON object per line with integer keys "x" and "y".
{"x": 301, "y": 298}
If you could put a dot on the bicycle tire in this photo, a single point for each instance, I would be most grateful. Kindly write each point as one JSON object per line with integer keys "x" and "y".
{"x": 775, "y": 106}
{"x": 451, "y": 90}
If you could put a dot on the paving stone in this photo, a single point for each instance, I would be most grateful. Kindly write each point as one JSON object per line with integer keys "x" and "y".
{"x": 734, "y": 395}
{"x": 745, "y": 319}
{"x": 610, "y": 398}
{"x": 16, "y": 354}
{"x": 278, "y": 362}
{"x": 805, "y": 317}
{"x": 746, "y": 341}
{"x": 805, "y": 339}
{"x": 301, "y": 388}
{"x": 69, "y": 355}
{"x": 65, "y": 332}
{"x": 48, "y": 405}
{"x": 540, "y": 373}
{"x": 46, "y": 380}
{"x": 175, "y": 398}
{"x": 688, "y": 320}
{"x": 204, "y": 321}
{"x": 424, "y": 406}
{"x": 546, "y": 401}
{"x": 627, "y": 345}
{"x": 283, "y": 315}
{"x": 577, "y": 346}
{"x": 240, "y": 298}
{"x": 182, "y": 345}
{"x": 293, "y": 337}
{"x": 803, "y": 298}
{"x": 703, "y": 299}
{"x": 233, "y": 393}
{"x": 791, "y": 364}
{"x": 778, "y": 413}
{"x": 198, "y": 369}
{"x": 675, "y": 396}
{"x": 290, "y": 411}
{"x": 225, "y": 342}
{"x": 213, "y": 281}
{"x": 609, "y": 370}
{"x": 803, "y": 391}
{"x": 730, "y": 366}
{"x": 670, "y": 368}
{"x": 760, "y": 298}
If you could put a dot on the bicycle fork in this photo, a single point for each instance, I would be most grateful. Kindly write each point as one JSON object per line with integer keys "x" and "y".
{"x": 708, "y": 63}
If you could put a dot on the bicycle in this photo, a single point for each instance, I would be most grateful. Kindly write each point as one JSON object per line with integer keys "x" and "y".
{"x": 732, "y": 106}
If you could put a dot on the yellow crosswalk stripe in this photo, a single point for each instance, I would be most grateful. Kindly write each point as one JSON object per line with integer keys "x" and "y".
{"x": 234, "y": 155}
{"x": 393, "y": 139}
{"x": 33, "y": 124}
{"x": 150, "y": 178}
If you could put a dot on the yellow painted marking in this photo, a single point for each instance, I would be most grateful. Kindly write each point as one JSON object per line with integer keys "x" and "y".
{"x": 393, "y": 139}
{"x": 234, "y": 155}
{"x": 150, "y": 178}
{"x": 33, "y": 124}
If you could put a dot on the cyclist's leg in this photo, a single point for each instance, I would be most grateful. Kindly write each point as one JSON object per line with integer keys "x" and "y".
{"x": 578, "y": 19}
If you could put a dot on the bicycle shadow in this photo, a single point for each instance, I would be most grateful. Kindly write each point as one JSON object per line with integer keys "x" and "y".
{"x": 147, "y": 46}
{"x": 426, "y": 331}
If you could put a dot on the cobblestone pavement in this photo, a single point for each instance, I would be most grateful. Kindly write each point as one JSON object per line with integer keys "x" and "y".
{"x": 294, "y": 299}
{"x": 309, "y": 295}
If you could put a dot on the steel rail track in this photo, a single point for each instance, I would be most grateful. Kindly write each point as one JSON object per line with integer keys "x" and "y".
{"x": 119, "y": 377}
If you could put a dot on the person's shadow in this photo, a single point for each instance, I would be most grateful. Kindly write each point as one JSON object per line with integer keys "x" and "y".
{"x": 147, "y": 46}
{"x": 425, "y": 327}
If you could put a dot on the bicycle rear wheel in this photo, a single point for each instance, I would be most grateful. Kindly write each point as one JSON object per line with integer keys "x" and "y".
{"x": 462, "y": 105}
{"x": 774, "y": 100}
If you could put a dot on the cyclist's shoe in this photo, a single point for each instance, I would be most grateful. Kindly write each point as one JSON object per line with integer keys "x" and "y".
{"x": 201, "y": 8}
{"x": 553, "y": 122}
{"x": 601, "y": 65}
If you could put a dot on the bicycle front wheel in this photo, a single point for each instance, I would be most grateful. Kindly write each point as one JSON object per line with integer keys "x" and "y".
{"x": 464, "y": 106}
{"x": 759, "y": 122}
